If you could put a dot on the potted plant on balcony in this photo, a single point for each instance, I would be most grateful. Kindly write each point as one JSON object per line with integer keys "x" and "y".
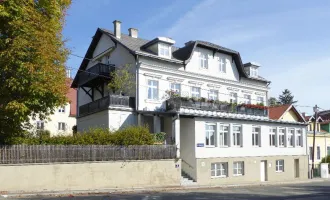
{"x": 186, "y": 102}
{"x": 122, "y": 81}
{"x": 196, "y": 102}
{"x": 173, "y": 102}
{"x": 204, "y": 103}
{"x": 212, "y": 104}
{"x": 224, "y": 106}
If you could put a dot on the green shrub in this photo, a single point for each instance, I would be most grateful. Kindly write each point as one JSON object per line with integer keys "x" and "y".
{"x": 326, "y": 159}
{"x": 159, "y": 137}
{"x": 133, "y": 135}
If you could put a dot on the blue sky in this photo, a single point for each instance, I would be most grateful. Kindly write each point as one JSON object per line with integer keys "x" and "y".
{"x": 289, "y": 38}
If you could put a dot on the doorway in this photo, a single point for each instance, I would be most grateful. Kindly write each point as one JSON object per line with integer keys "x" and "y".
{"x": 296, "y": 168}
{"x": 263, "y": 170}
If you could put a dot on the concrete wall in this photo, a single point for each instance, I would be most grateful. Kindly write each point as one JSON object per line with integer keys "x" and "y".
{"x": 252, "y": 170}
{"x": 187, "y": 147}
{"x": 246, "y": 149}
{"x": 90, "y": 176}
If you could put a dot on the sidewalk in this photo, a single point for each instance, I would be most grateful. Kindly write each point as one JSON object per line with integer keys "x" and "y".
{"x": 4, "y": 194}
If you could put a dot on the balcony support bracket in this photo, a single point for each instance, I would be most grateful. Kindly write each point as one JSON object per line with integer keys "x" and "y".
{"x": 88, "y": 92}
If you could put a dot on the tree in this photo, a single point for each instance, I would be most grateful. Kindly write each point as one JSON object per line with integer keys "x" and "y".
{"x": 32, "y": 61}
{"x": 272, "y": 101}
{"x": 286, "y": 97}
{"x": 122, "y": 80}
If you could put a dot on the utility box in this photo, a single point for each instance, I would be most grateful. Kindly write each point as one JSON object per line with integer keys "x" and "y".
{"x": 324, "y": 170}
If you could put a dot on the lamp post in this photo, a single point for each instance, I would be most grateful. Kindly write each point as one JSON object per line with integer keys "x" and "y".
{"x": 315, "y": 109}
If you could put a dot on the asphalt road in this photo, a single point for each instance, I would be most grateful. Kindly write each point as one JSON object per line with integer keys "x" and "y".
{"x": 310, "y": 191}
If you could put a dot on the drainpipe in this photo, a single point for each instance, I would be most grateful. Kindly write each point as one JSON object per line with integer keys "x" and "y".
{"x": 136, "y": 82}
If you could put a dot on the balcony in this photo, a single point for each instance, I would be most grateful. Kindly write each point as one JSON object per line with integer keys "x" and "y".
{"x": 95, "y": 75}
{"x": 176, "y": 104}
{"x": 106, "y": 103}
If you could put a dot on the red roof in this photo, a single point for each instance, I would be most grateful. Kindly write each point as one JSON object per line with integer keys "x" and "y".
{"x": 276, "y": 112}
{"x": 72, "y": 96}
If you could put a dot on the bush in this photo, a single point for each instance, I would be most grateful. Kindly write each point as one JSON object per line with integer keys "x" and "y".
{"x": 326, "y": 159}
{"x": 159, "y": 137}
{"x": 133, "y": 135}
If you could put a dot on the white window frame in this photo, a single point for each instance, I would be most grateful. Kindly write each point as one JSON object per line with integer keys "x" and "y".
{"x": 272, "y": 136}
{"x": 213, "y": 94}
{"x": 203, "y": 60}
{"x": 208, "y": 133}
{"x": 40, "y": 125}
{"x": 260, "y": 100}
{"x": 310, "y": 152}
{"x": 247, "y": 98}
{"x": 256, "y": 136}
{"x": 281, "y": 136}
{"x": 238, "y": 166}
{"x": 154, "y": 88}
{"x": 61, "y": 109}
{"x": 195, "y": 92}
{"x": 253, "y": 72}
{"x": 290, "y": 137}
{"x": 164, "y": 50}
{"x": 220, "y": 170}
{"x": 279, "y": 165}
{"x": 176, "y": 87}
{"x": 61, "y": 126}
{"x": 299, "y": 138}
{"x": 233, "y": 97}
{"x": 237, "y": 136}
{"x": 224, "y": 140}
{"x": 318, "y": 153}
{"x": 222, "y": 65}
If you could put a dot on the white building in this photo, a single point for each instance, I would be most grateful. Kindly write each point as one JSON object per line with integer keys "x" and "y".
{"x": 221, "y": 134}
{"x": 62, "y": 120}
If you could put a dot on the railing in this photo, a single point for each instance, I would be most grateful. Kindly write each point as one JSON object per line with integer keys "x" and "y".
{"x": 105, "y": 102}
{"x": 98, "y": 70}
{"x": 177, "y": 103}
{"x": 20, "y": 154}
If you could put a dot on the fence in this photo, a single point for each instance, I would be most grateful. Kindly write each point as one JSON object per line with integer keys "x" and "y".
{"x": 20, "y": 154}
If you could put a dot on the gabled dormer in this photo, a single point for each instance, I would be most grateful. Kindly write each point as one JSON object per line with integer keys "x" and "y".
{"x": 161, "y": 46}
{"x": 252, "y": 69}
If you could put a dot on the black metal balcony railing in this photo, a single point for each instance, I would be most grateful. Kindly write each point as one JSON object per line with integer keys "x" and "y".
{"x": 98, "y": 71}
{"x": 177, "y": 103}
{"x": 105, "y": 103}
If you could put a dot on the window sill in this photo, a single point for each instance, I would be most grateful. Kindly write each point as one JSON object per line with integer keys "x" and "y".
{"x": 215, "y": 177}
{"x": 153, "y": 101}
{"x": 237, "y": 174}
{"x": 279, "y": 171}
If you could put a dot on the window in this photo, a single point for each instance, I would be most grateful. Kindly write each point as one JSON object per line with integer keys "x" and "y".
{"x": 219, "y": 169}
{"x": 247, "y": 99}
{"x": 40, "y": 125}
{"x": 61, "y": 126}
{"x": 260, "y": 100}
{"x": 237, "y": 135}
{"x": 279, "y": 165}
{"x": 61, "y": 110}
{"x": 203, "y": 60}
{"x": 253, "y": 72}
{"x": 222, "y": 65}
{"x": 152, "y": 89}
{"x": 108, "y": 59}
{"x": 290, "y": 137}
{"x": 176, "y": 87}
{"x": 238, "y": 168}
{"x": 299, "y": 138}
{"x": 213, "y": 94}
{"x": 164, "y": 50}
{"x": 223, "y": 134}
{"x": 310, "y": 153}
{"x": 328, "y": 150}
{"x": 272, "y": 137}
{"x": 210, "y": 135}
{"x": 281, "y": 137}
{"x": 195, "y": 92}
{"x": 233, "y": 97}
{"x": 255, "y": 136}
{"x": 318, "y": 153}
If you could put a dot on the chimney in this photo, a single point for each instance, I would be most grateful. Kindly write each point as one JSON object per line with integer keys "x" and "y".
{"x": 116, "y": 28}
{"x": 303, "y": 114}
{"x": 68, "y": 73}
{"x": 133, "y": 32}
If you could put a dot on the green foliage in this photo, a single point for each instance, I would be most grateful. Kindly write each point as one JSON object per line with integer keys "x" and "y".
{"x": 286, "y": 98}
{"x": 159, "y": 137}
{"x": 122, "y": 80}
{"x": 326, "y": 159}
{"x": 32, "y": 60}
{"x": 133, "y": 135}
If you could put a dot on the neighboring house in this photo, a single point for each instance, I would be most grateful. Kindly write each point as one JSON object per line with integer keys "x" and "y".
{"x": 220, "y": 123}
{"x": 63, "y": 119}
{"x": 322, "y": 138}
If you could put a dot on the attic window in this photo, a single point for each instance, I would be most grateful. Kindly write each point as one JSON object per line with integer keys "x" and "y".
{"x": 253, "y": 72}
{"x": 164, "y": 50}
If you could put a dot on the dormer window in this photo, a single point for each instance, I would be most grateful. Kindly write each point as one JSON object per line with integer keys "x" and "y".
{"x": 253, "y": 72}
{"x": 203, "y": 60}
{"x": 164, "y": 50}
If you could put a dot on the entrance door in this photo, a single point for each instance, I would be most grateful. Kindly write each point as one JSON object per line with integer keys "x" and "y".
{"x": 263, "y": 170}
{"x": 296, "y": 168}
